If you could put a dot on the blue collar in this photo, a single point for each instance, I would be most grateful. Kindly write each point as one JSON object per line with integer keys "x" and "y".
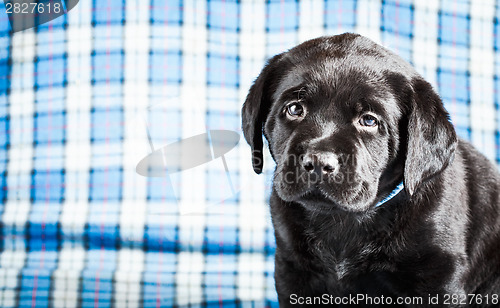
{"x": 393, "y": 194}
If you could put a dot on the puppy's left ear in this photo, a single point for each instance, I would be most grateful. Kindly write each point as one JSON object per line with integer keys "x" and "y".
{"x": 431, "y": 137}
{"x": 255, "y": 110}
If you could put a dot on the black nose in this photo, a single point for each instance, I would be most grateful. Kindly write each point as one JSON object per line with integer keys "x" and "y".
{"x": 320, "y": 163}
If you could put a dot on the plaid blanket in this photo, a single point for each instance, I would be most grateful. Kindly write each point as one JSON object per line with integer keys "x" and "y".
{"x": 86, "y": 96}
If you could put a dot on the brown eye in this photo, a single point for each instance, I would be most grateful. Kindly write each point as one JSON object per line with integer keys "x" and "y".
{"x": 368, "y": 120}
{"x": 295, "y": 110}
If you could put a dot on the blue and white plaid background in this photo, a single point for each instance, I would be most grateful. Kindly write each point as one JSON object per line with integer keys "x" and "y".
{"x": 80, "y": 228}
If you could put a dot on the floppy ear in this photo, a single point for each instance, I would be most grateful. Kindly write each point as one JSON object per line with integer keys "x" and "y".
{"x": 255, "y": 111}
{"x": 431, "y": 137}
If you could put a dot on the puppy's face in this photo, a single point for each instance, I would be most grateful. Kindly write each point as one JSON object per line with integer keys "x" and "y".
{"x": 333, "y": 129}
{"x": 336, "y": 112}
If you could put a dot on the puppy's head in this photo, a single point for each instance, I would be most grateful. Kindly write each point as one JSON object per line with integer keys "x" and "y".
{"x": 346, "y": 120}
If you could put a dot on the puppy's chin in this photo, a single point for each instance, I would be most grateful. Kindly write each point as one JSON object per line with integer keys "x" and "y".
{"x": 319, "y": 199}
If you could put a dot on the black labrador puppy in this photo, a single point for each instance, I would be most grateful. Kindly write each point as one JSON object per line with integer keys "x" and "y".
{"x": 375, "y": 200}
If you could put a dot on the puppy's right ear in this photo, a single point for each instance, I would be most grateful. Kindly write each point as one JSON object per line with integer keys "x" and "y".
{"x": 255, "y": 111}
{"x": 431, "y": 137}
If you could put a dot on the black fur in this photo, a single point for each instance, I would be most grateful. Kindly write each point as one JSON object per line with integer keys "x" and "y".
{"x": 441, "y": 235}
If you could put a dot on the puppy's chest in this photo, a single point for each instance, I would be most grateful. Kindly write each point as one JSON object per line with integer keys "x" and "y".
{"x": 353, "y": 271}
{"x": 343, "y": 260}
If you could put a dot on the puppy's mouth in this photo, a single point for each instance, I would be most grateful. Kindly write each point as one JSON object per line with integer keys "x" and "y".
{"x": 349, "y": 192}
{"x": 315, "y": 195}
{"x": 316, "y": 199}
{"x": 319, "y": 198}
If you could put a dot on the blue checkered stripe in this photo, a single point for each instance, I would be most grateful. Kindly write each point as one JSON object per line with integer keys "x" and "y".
{"x": 80, "y": 95}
